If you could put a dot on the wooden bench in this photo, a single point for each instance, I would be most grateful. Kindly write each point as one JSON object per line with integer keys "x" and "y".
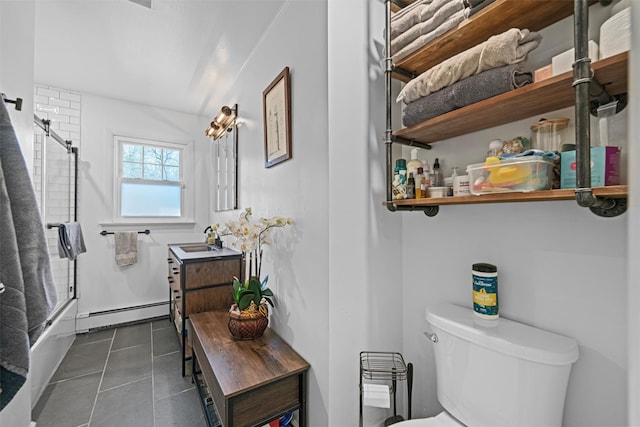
{"x": 250, "y": 382}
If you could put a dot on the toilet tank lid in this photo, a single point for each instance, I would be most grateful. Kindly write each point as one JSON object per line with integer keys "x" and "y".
{"x": 503, "y": 335}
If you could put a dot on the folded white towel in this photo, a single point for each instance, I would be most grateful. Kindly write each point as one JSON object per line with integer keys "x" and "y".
{"x": 432, "y": 17}
{"x": 450, "y": 23}
{"x": 403, "y": 13}
{"x": 510, "y": 47}
{"x": 126, "y": 243}
{"x": 410, "y": 16}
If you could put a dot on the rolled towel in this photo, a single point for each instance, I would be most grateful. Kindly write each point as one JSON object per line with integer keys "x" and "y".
{"x": 510, "y": 47}
{"x": 466, "y": 92}
{"x": 436, "y": 14}
{"x": 70, "y": 240}
{"x": 126, "y": 243}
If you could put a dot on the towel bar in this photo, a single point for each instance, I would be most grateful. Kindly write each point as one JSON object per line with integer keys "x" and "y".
{"x": 105, "y": 232}
{"x": 17, "y": 102}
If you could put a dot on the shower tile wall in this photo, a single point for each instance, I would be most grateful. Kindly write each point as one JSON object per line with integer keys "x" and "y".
{"x": 62, "y": 108}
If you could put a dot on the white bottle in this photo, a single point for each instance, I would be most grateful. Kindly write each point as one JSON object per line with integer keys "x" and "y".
{"x": 451, "y": 191}
{"x": 414, "y": 163}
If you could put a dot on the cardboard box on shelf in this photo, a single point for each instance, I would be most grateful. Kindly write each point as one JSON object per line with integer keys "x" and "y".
{"x": 543, "y": 73}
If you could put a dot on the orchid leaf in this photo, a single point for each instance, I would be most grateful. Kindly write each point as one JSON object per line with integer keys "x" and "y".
{"x": 245, "y": 301}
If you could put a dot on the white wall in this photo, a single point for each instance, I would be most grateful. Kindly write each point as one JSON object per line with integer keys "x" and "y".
{"x": 633, "y": 284}
{"x": 362, "y": 287}
{"x": 102, "y": 285}
{"x": 16, "y": 65}
{"x": 298, "y": 260}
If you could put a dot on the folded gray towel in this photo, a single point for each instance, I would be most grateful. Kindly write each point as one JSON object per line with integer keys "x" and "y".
{"x": 25, "y": 268}
{"x": 126, "y": 247}
{"x": 465, "y": 92}
{"x": 435, "y": 14}
{"x": 474, "y": 3}
{"x": 510, "y": 47}
{"x": 70, "y": 240}
{"x": 479, "y": 6}
{"x": 14, "y": 342}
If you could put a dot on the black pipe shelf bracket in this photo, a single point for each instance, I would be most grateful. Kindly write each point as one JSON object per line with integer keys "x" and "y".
{"x": 105, "y": 232}
{"x": 17, "y": 102}
{"x": 585, "y": 87}
{"x": 389, "y": 139}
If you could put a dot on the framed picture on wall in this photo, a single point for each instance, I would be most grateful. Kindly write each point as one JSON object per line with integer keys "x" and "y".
{"x": 276, "y": 101}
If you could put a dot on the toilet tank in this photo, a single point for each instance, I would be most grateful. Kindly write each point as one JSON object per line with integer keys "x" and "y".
{"x": 499, "y": 372}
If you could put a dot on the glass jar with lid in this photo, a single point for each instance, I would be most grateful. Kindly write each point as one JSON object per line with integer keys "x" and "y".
{"x": 549, "y": 134}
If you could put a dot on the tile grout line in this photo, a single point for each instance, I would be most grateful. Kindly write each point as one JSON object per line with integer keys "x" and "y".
{"x": 124, "y": 384}
{"x": 104, "y": 369}
{"x": 153, "y": 379}
{"x": 72, "y": 378}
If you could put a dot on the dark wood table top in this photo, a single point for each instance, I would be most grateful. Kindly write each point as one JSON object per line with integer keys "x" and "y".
{"x": 240, "y": 366}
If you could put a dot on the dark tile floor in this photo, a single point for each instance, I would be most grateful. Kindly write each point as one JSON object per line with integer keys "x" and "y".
{"x": 127, "y": 376}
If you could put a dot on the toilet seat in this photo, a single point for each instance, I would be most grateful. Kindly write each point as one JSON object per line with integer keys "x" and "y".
{"x": 443, "y": 419}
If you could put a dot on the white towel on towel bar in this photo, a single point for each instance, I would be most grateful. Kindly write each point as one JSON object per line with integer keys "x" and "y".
{"x": 126, "y": 247}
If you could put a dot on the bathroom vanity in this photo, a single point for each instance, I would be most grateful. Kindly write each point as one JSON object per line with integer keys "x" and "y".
{"x": 200, "y": 279}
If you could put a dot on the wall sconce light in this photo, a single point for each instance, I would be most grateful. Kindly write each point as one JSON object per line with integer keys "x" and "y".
{"x": 222, "y": 122}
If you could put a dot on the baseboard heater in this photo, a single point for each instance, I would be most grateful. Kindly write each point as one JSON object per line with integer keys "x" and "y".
{"x": 118, "y": 316}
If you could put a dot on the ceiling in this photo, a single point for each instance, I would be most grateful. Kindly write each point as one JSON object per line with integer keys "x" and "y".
{"x": 179, "y": 54}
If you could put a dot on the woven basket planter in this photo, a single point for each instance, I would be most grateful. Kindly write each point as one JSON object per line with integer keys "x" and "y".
{"x": 248, "y": 324}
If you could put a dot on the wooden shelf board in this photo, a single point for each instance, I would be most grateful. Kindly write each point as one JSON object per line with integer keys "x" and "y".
{"x": 494, "y": 19}
{"x": 615, "y": 191}
{"x": 537, "y": 98}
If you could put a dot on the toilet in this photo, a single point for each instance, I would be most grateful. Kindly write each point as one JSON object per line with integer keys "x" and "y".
{"x": 496, "y": 372}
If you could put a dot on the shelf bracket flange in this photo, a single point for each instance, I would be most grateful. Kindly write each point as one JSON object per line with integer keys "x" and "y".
{"x": 402, "y": 72}
{"x": 410, "y": 142}
{"x": 429, "y": 211}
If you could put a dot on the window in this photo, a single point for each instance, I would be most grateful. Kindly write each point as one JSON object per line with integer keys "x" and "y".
{"x": 151, "y": 181}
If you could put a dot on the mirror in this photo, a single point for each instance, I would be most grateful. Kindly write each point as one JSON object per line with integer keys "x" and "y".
{"x": 224, "y": 152}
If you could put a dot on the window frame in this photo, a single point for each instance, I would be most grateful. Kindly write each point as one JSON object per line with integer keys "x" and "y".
{"x": 185, "y": 182}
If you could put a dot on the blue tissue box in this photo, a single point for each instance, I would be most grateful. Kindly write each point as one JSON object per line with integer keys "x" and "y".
{"x": 605, "y": 167}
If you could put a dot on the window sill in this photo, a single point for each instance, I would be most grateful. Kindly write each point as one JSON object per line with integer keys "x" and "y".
{"x": 130, "y": 222}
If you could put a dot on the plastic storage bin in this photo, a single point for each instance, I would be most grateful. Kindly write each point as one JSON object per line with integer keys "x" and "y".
{"x": 519, "y": 174}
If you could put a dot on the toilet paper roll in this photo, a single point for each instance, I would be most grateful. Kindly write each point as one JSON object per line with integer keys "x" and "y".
{"x": 376, "y": 395}
{"x": 615, "y": 34}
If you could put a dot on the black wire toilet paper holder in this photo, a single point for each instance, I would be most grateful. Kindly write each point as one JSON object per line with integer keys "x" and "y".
{"x": 386, "y": 366}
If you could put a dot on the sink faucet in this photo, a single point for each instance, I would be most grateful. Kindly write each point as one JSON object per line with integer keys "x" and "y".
{"x": 217, "y": 242}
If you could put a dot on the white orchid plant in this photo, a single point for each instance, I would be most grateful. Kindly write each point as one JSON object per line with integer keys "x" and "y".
{"x": 250, "y": 236}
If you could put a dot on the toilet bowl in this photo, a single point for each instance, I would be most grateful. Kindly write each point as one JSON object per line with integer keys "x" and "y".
{"x": 498, "y": 373}
{"x": 443, "y": 419}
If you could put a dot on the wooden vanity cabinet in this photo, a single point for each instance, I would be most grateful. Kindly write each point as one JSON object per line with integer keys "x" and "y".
{"x": 199, "y": 282}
